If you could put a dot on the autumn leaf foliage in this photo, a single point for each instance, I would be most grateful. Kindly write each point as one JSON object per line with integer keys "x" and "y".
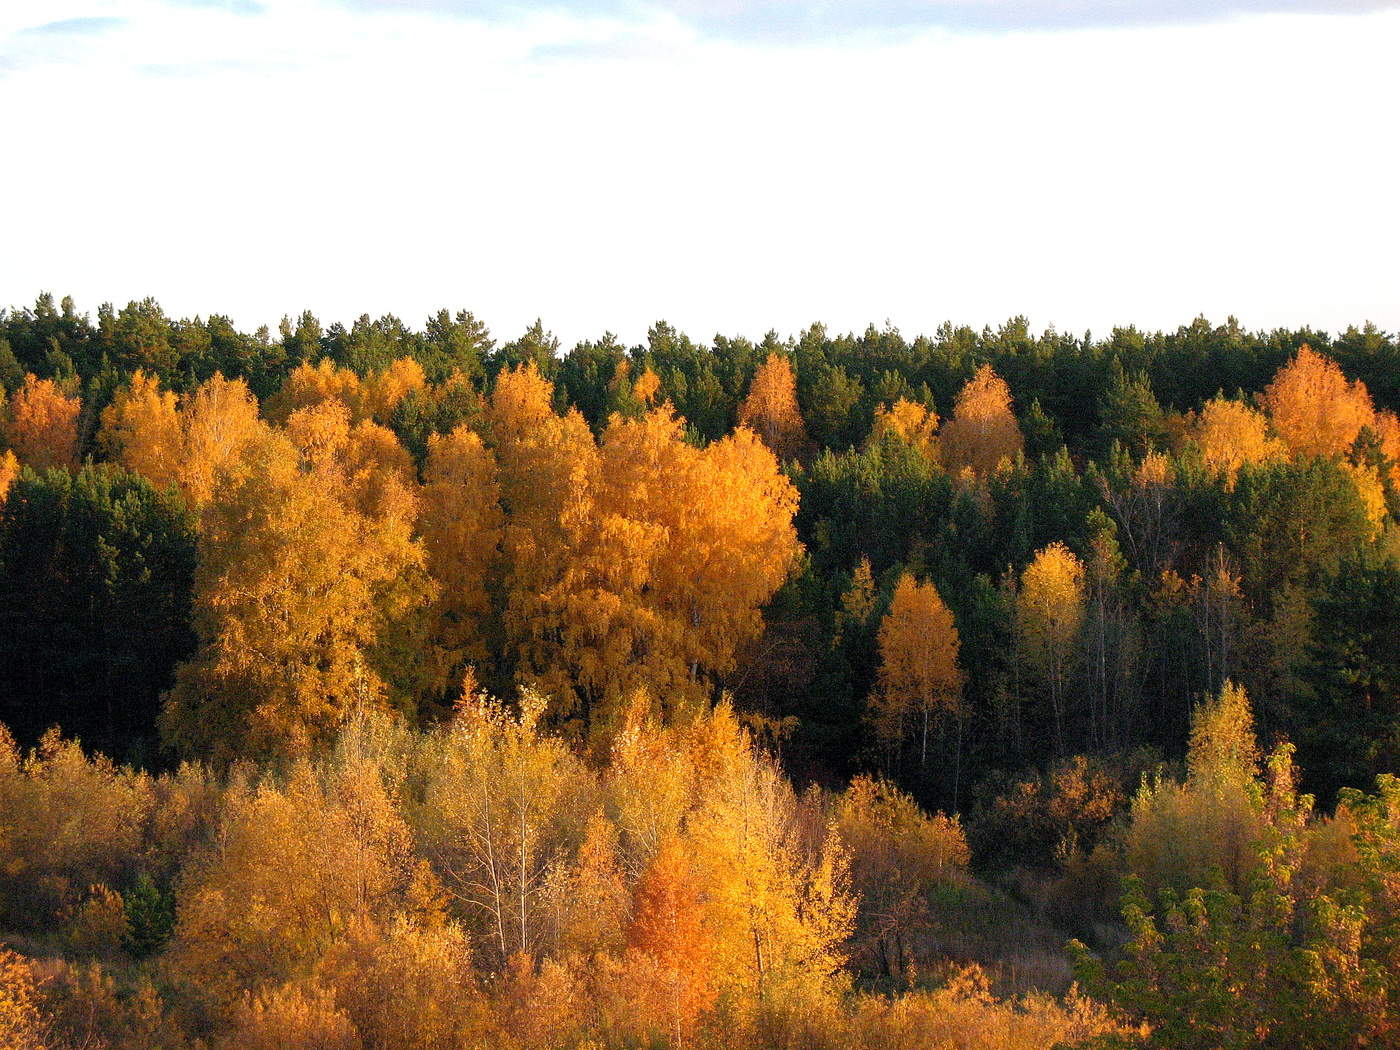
{"x": 982, "y": 431}
{"x": 919, "y": 672}
{"x": 771, "y": 410}
{"x": 1314, "y": 409}
{"x": 42, "y": 428}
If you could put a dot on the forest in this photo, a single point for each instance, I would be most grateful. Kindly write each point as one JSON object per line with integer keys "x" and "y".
{"x": 382, "y": 688}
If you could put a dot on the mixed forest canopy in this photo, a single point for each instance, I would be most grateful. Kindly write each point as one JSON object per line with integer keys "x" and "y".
{"x": 645, "y": 666}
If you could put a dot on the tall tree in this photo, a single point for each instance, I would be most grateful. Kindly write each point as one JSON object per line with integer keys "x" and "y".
{"x": 461, "y": 525}
{"x": 301, "y": 562}
{"x": 770, "y": 410}
{"x": 190, "y": 443}
{"x": 668, "y": 930}
{"x": 919, "y": 672}
{"x": 911, "y": 423}
{"x": 982, "y": 431}
{"x": 1231, "y": 435}
{"x": 1049, "y": 614}
{"x": 95, "y": 576}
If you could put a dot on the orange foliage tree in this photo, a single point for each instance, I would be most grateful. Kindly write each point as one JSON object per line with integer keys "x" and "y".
{"x": 770, "y": 409}
{"x": 191, "y": 443}
{"x": 1387, "y": 430}
{"x": 1232, "y": 435}
{"x": 21, "y": 1025}
{"x": 1049, "y": 614}
{"x": 141, "y": 429}
{"x": 983, "y": 431}
{"x": 373, "y": 397}
{"x": 9, "y": 470}
{"x": 42, "y": 428}
{"x": 720, "y": 520}
{"x": 1313, "y": 407}
{"x": 667, "y": 931}
{"x": 911, "y": 422}
{"x": 302, "y": 568}
{"x": 919, "y": 671}
{"x": 461, "y": 524}
{"x": 640, "y": 564}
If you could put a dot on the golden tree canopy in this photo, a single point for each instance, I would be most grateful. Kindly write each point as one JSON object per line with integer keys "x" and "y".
{"x": 1049, "y": 614}
{"x": 302, "y": 560}
{"x": 919, "y": 670}
{"x": 42, "y": 428}
{"x": 983, "y": 431}
{"x": 1313, "y": 407}
{"x": 771, "y": 410}
{"x": 1232, "y": 435}
{"x": 461, "y": 525}
{"x": 141, "y": 428}
{"x": 911, "y": 422}
{"x": 641, "y": 564}
{"x": 1051, "y": 597}
{"x": 190, "y": 444}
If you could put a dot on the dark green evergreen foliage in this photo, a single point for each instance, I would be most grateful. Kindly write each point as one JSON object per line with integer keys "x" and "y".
{"x": 35, "y": 333}
{"x": 420, "y": 415}
{"x": 139, "y": 335}
{"x": 150, "y": 918}
{"x": 1347, "y": 723}
{"x": 95, "y": 577}
{"x": 536, "y": 344}
{"x": 589, "y": 377}
{"x": 689, "y": 381}
{"x": 370, "y": 346}
{"x": 455, "y": 343}
{"x": 1292, "y": 524}
{"x": 11, "y": 371}
{"x": 1129, "y": 414}
{"x": 883, "y": 502}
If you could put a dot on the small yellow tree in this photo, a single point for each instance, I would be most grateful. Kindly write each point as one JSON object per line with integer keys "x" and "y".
{"x": 193, "y": 444}
{"x": 1049, "y": 614}
{"x": 983, "y": 430}
{"x": 911, "y": 422}
{"x": 21, "y": 1026}
{"x": 42, "y": 428}
{"x": 771, "y": 411}
{"x": 919, "y": 671}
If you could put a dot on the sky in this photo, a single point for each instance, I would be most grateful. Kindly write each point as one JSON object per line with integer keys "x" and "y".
{"x": 731, "y": 166}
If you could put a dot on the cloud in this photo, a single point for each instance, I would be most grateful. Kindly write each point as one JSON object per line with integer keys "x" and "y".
{"x": 237, "y": 7}
{"x": 65, "y": 40}
{"x": 827, "y": 20}
{"x": 73, "y": 27}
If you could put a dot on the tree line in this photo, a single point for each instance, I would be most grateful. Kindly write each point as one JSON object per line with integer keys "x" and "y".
{"x": 992, "y": 574}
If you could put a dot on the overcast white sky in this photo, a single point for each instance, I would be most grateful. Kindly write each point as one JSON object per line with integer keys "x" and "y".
{"x": 728, "y": 166}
